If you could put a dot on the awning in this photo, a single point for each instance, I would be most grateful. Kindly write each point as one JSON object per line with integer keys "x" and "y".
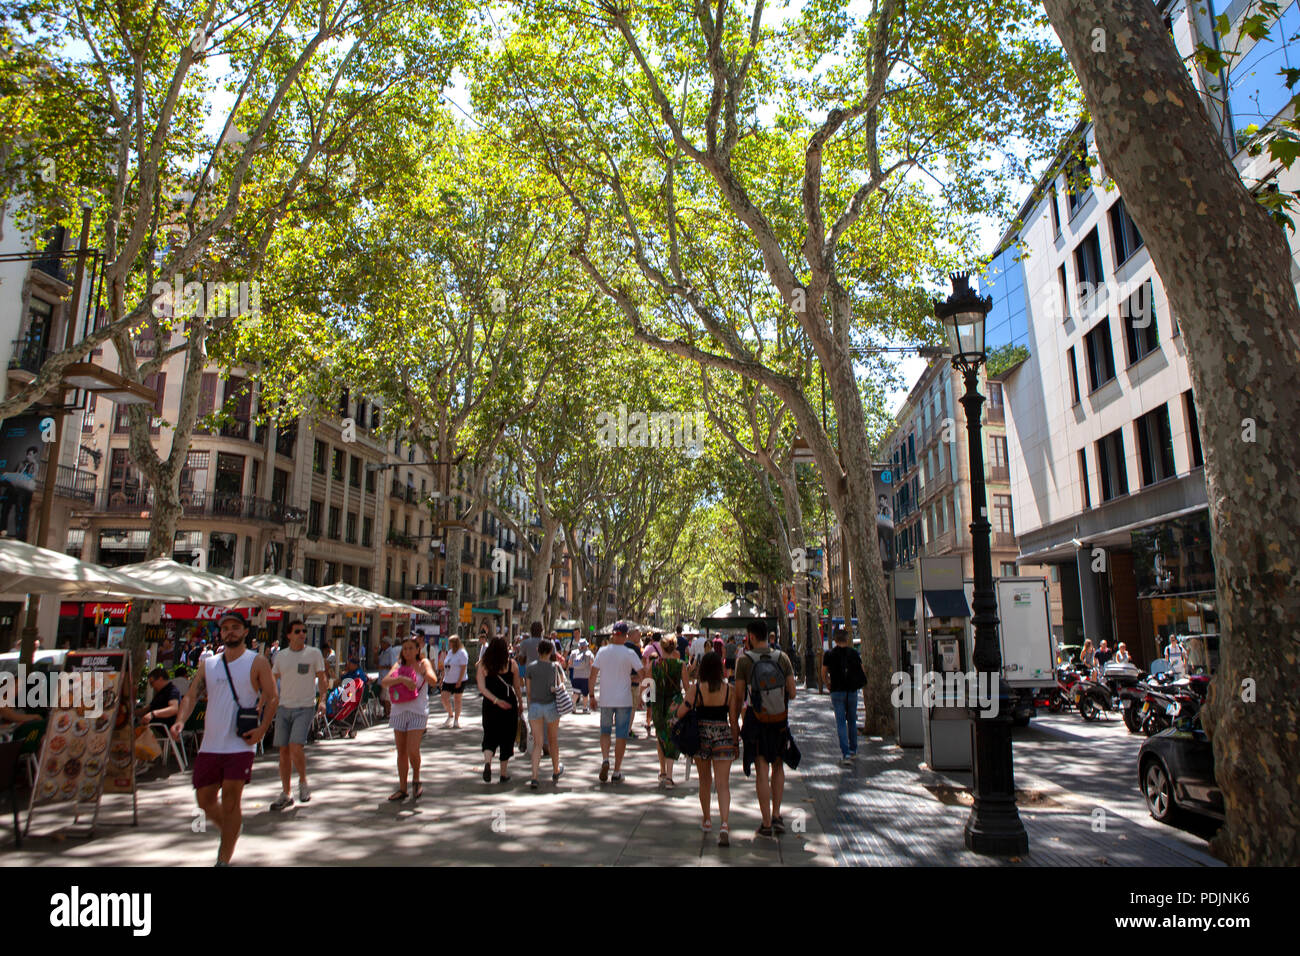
{"x": 947, "y": 604}
{"x": 905, "y": 608}
{"x": 487, "y": 610}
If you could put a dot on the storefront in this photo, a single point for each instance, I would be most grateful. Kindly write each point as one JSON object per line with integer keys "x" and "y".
{"x": 1173, "y": 569}
{"x": 103, "y": 624}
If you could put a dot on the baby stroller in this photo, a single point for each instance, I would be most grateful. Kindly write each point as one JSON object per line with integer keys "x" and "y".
{"x": 343, "y": 709}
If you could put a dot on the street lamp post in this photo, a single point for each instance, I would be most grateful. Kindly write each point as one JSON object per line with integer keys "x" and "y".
{"x": 994, "y": 826}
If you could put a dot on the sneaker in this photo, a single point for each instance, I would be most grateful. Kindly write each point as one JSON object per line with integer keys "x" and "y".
{"x": 304, "y": 793}
{"x": 446, "y": 723}
{"x": 846, "y": 762}
{"x": 532, "y": 784}
{"x": 765, "y": 832}
{"x": 617, "y": 778}
{"x": 283, "y": 801}
{"x": 558, "y": 774}
{"x": 487, "y": 773}
{"x": 604, "y": 771}
{"x": 778, "y": 824}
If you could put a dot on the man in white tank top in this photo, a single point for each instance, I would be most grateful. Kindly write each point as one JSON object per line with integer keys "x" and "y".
{"x": 233, "y": 679}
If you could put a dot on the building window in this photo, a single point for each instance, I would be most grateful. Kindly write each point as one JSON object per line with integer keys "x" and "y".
{"x": 1002, "y": 514}
{"x": 354, "y": 472}
{"x": 363, "y": 578}
{"x": 88, "y": 420}
{"x": 194, "y": 477}
{"x": 1083, "y": 478}
{"x": 1155, "y": 445}
{"x": 1140, "y": 337}
{"x": 279, "y": 486}
{"x": 1078, "y": 181}
{"x": 339, "y": 462}
{"x": 1193, "y": 429}
{"x": 1065, "y": 292}
{"x": 1110, "y": 461}
{"x": 367, "y": 531}
{"x": 320, "y": 455}
{"x": 1056, "y": 213}
{"x": 1124, "y": 233}
{"x": 1101, "y": 357}
{"x": 998, "y": 457}
{"x": 1074, "y": 377}
{"x": 370, "y": 482}
{"x": 336, "y": 515}
{"x": 221, "y": 553}
{"x": 1087, "y": 265}
{"x": 1009, "y": 570}
{"x": 314, "y": 511}
{"x": 352, "y": 527}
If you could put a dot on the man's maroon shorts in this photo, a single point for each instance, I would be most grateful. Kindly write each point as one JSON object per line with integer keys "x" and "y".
{"x": 210, "y": 769}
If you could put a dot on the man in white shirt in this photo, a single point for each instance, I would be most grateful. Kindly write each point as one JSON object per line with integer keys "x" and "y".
{"x": 620, "y": 666}
{"x": 300, "y": 671}
{"x": 699, "y": 647}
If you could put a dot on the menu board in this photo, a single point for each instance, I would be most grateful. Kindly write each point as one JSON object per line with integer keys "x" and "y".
{"x": 88, "y": 749}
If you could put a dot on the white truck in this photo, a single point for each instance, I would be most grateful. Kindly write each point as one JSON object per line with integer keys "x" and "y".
{"x": 1025, "y": 637}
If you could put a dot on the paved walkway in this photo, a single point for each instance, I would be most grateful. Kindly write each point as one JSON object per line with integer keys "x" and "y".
{"x": 460, "y": 820}
{"x": 888, "y": 810}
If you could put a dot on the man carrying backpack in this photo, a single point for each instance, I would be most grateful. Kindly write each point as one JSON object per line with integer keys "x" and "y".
{"x": 842, "y": 671}
{"x": 765, "y": 682}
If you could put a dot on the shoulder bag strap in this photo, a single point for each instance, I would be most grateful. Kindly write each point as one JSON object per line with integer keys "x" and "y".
{"x": 230, "y": 680}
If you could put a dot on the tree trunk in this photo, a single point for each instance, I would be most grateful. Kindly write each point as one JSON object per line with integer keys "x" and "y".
{"x": 1227, "y": 270}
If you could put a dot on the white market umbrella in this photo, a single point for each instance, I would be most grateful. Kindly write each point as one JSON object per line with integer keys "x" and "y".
{"x": 371, "y": 600}
{"x": 195, "y": 586}
{"x": 27, "y": 568}
{"x": 281, "y": 594}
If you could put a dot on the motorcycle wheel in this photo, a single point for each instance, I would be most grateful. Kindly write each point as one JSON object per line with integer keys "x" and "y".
{"x": 1132, "y": 719}
{"x": 1088, "y": 709}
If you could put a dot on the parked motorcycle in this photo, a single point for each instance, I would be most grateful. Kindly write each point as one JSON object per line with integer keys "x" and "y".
{"x": 1166, "y": 696}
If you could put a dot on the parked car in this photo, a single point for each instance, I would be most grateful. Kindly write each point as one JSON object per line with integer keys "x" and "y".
{"x": 1176, "y": 772}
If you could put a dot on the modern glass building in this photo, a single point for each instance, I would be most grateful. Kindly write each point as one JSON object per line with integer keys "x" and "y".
{"x": 1004, "y": 281}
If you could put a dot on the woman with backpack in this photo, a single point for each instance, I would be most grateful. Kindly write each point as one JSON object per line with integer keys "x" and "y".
{"x": 717, "y": 710}
{"x": 842, "y": 671}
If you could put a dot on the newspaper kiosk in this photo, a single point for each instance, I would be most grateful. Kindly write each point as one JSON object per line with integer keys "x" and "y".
{"x": 942, "y": 612}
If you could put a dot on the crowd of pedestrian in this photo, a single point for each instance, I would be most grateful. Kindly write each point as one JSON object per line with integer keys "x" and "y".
{"x": 710, "y": 702}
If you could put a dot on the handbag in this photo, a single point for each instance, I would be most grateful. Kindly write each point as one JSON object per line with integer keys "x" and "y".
{"x": 400, "y": 693}
{"x": 247, "y": 719}
{"x": 563, "y": 700}
{"x": 685, "y": 730}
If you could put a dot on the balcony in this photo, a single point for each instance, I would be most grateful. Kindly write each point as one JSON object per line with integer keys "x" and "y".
{"x": 999, "y": 473}
{"x": 1003, "y": 539}
{"x": 75, "y": 483}
{"x": 399, "y": 540}
{"x": 996, "y": 414}
{"x": 139, "y": 499}
{"x": 523, "y": 574}
{"x": 30, "y": 352}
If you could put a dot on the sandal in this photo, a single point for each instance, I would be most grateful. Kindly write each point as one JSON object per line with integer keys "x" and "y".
{"x": 397, "y": 797}
{"x": 707, "y": 826}
{"x": 724, "y": 836}
{"x": 419, "y": 791}
{"x": 668, "y": 782}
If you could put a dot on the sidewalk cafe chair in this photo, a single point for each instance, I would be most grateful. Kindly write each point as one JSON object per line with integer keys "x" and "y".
{"x": 163, "y": 733}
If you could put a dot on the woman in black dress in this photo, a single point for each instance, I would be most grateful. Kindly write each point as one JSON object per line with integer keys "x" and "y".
{"x": 500, "y": 687}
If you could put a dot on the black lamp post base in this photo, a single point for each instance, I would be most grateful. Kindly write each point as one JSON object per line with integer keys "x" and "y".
{"x": 994, "y": 828}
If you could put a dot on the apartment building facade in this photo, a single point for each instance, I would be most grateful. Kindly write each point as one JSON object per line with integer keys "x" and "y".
{"x": 1107, "y": 475}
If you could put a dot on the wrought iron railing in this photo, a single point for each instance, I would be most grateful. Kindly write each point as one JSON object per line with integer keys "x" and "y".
{"x": 202, "y": 504}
